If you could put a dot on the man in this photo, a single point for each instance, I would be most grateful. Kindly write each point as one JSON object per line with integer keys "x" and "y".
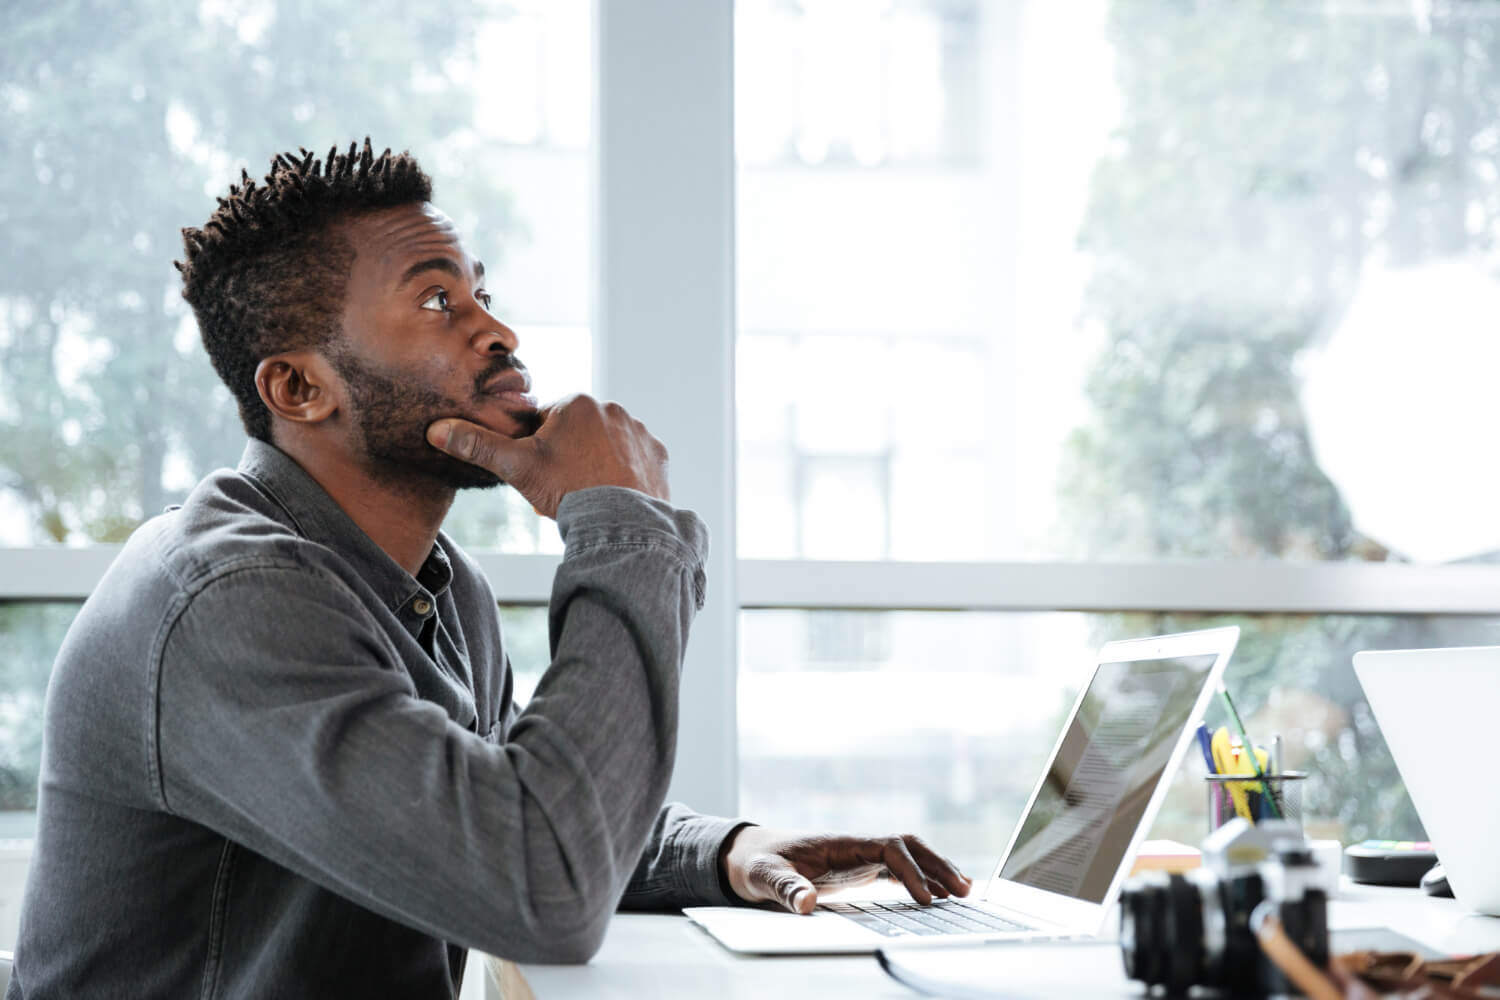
{"x": 281, "y": 756}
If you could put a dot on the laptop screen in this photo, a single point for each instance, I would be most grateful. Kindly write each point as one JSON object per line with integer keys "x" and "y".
{"x": 1106, "y": 769}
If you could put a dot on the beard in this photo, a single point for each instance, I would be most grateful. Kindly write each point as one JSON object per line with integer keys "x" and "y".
{"x": 392, "y": 418}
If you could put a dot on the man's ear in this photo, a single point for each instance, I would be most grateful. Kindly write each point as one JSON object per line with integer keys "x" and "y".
{"x": 299, "y": 386}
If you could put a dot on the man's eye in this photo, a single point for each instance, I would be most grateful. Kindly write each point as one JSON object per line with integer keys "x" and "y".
{"x": 437, "y": 302}
{"x": 484, "y": 298}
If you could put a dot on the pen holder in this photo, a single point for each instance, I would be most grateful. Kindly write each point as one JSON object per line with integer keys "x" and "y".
{"x": 1237, "y": 795}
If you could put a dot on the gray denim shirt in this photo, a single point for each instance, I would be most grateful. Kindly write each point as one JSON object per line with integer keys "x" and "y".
{"x": 277, "y": 765}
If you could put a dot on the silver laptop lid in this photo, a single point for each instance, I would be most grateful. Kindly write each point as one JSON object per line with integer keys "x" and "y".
{"x": 1436, "y": 710}
{"x": 1106, "y": 777}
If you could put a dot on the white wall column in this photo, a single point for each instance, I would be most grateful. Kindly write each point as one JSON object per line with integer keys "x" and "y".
{"x": 664, "y": 327}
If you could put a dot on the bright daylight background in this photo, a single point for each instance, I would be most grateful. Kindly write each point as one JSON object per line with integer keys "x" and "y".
{"x": 1101, "y": 281}
{"x": 1017, "y": 281}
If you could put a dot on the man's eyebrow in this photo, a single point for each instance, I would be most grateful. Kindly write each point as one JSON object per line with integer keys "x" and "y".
{"x": 436, "y": 264}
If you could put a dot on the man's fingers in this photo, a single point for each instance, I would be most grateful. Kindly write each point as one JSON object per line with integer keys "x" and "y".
{"x": 474, "y": 444}
{"x": 938, "y": 868}
{"x": 888, "y": 852}
{"x": 899, "y": 860}
{"x": 925, "y": 873}
{"x": 578, "y": 443}
{"x": 846, "y": 878}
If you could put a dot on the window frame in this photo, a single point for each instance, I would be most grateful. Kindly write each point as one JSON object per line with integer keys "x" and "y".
{"x": 1235, "y": 587}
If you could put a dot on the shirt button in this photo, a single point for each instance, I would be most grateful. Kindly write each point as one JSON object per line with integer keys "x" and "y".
{"x": 421, "y": 606}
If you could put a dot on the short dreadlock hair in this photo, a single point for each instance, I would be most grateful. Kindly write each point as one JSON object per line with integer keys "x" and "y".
{"x": 267, "y": 273}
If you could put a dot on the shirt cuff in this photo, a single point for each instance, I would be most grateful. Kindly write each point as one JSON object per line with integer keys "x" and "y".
{"x": 617, "y": 514}
{"x": 615, "y": 517}
{"x": 696, "y": 846}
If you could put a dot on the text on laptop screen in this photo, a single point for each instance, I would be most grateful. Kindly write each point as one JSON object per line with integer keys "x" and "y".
{"x": 1108, "y": 766}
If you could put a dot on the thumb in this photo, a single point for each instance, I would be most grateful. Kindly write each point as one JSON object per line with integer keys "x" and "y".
{"x": 476, "y": 445}
{"x": 804, "y": 899}
{"x": 790, "y": 888}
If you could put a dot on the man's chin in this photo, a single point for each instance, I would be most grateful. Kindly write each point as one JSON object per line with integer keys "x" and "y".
{"x": 482, "y": 481}
{"x": 463, "y": 476}
{"x": 512, "y": 423}
{"x": 433, "y": 470}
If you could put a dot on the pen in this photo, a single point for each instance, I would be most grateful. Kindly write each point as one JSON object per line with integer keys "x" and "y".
{"x": 1234, "y": 715}
{"x": 1206, "y": 745}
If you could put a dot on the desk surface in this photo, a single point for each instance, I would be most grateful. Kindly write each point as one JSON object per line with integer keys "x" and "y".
{"x": 659, "y": 955}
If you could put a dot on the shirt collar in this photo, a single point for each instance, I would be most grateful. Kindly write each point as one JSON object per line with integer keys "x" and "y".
{"x": 318, "y": 518}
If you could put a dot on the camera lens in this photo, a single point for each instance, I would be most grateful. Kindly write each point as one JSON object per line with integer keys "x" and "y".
{"x": 1180, "y": 931}
{"x": 1242, "y": 894}
{"x": 1143, "y": 904}
{"x": 1184, "y": 935}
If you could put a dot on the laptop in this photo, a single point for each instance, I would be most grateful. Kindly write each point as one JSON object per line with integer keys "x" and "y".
{"x": 1436, "y": 709}
{"x": 1061, "y": 872}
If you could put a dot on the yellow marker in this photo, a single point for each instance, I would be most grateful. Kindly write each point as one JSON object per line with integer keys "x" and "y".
{"x": 1230, "y": 758}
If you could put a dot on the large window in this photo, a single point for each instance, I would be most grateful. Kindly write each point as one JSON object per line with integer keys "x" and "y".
{"x": 1031, "y": 290}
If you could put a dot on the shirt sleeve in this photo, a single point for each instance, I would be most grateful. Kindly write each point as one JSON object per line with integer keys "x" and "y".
{"x": 287, "y": 723}
{"x": 680, "y": 865}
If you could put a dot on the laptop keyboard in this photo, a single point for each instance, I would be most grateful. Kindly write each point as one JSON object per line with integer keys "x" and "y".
{"x": 904, "y": 918}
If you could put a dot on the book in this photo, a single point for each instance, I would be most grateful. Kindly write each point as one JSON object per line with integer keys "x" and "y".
{"x": 1166, "y": 856}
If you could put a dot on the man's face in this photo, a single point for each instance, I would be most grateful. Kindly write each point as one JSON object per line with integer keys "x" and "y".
{"x": 419, "y": 343}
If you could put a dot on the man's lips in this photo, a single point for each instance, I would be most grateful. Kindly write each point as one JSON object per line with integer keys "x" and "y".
{"x": 513, "y": 387}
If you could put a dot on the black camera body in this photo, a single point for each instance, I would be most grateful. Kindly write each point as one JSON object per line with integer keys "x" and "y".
{"x": 1179, "y": 931}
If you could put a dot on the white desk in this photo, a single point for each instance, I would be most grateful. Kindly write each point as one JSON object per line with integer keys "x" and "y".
{"x": 1440, "y": 923}
{"x": 652, "y": 955}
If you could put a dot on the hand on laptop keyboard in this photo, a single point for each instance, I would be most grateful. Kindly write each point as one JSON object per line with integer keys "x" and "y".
{"x": 769, "y": 865}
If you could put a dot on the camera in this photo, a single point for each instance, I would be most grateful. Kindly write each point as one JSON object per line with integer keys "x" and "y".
{"x": 1180, "y": 931}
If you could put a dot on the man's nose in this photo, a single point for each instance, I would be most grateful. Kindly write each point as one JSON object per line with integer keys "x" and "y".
{"x": 496, "y": 339}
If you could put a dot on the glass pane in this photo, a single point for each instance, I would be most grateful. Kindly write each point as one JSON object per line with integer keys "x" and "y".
{"x": 1118, "y": 280}
{"x": 525, "y": 628}
{"x": 939, "y": 722}
{"x": 30, "y": 634}
{"x": 113, "y": 140}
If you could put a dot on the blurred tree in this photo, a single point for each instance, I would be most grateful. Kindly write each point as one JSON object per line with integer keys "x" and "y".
{"x": 121, "y": 123}
{"x": 29, "y": 637}
{"x": 1265, "y": 150}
